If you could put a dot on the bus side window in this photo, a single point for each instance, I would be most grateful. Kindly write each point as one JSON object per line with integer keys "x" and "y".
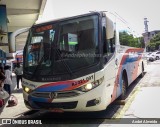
{"x": 105, "y": 44}
{"x": 111, "y": 45}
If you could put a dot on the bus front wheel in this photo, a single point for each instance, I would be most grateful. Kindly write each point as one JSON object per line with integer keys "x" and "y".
{"x": 142, "y": 73}
{"x": 124, "y": 87}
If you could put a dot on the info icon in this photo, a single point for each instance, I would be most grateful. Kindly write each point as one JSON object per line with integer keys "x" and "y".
{"x": 6, "y": 121}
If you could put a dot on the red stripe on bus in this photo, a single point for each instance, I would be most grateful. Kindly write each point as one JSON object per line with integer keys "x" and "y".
{"x": 114, "y": 93}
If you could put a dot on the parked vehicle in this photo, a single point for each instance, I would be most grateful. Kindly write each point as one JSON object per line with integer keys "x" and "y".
{"x": 156, "y": 55}
{"x": 150, "y": 56}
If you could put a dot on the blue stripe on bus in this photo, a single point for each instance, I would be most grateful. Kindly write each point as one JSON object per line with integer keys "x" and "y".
{"x": 52, "y": 88}
{"x": 132, "y": 59}
{"x": 38, "y": 99}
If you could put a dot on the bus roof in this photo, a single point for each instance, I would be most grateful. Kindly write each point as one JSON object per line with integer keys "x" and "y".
{"x": 67, "y": 18}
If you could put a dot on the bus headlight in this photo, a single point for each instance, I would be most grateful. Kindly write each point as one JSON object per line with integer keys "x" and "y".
{"x": 91, "y": 85}
{"x": 26, "y": 89}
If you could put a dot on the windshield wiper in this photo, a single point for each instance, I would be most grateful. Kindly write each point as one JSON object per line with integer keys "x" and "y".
{"x": 38, "y": 65}
{"x": 64, "y": 63}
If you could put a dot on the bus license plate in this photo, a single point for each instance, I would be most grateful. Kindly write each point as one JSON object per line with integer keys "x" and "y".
{"x": 57, "y": 110}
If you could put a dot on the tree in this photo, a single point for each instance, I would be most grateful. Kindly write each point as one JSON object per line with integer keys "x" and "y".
{"x": 129, "y": 40}
{"x": 152, "y": 46}
{"x": 155, "y": 42}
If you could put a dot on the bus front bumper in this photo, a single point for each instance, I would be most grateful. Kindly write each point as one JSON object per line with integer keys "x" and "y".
{"x": 94, "y": 100}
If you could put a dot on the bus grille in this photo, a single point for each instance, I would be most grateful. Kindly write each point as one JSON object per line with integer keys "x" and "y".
{"x": 59, "y": 94}
{"x": 64, "y": 105}
{"x": 41, "y": 94}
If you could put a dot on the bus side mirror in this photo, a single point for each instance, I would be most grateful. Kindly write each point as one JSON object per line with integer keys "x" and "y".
{"x": 109, "y": 28}
{"x": 108, "y": 33}
{"x": 12, "y": 43}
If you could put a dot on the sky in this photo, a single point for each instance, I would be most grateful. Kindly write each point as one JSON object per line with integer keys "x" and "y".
{"x": 133, "y": 11}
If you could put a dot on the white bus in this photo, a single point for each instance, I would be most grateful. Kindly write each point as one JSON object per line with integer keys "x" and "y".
{"x": 80, "y": 63}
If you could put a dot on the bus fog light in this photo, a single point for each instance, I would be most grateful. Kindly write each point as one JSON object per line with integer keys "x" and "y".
{"x": 93, "y": 102}
{"x": 97, "y": 101}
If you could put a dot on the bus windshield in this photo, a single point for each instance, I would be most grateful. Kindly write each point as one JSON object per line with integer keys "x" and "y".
{"x": 63, "y": 47}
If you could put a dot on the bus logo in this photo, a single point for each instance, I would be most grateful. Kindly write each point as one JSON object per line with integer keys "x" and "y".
{"x": 53, "y": 95}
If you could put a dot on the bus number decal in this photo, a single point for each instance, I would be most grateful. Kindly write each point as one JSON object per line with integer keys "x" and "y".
{"x": 82, "y": 80}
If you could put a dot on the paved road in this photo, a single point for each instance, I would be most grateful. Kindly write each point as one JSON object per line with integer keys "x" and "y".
{"x": 12, "y": 112}
{"x": 138, "y": 97}
{"x": 146, "y": 103}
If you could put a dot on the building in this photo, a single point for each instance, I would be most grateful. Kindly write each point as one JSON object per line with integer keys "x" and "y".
{"x": 15, "y": 15}
{"x": 148, "y": 36}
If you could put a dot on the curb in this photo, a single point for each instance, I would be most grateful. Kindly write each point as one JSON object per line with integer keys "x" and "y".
{"x": 131, "y": 97}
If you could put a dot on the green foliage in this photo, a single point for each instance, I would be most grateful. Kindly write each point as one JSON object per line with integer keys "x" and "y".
{"x": 157, "y": 45}
{"x": 154, "y": 42}
{"x": 152, "y": 46}
{"x": 129, "y": 40}
{"x": 156, "y": 38}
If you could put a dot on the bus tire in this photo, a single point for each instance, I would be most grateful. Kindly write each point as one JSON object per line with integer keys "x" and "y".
{"x": 157, "y": 57}
{"x": 124, "y": 87}
{"x": 142, "y": 73}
